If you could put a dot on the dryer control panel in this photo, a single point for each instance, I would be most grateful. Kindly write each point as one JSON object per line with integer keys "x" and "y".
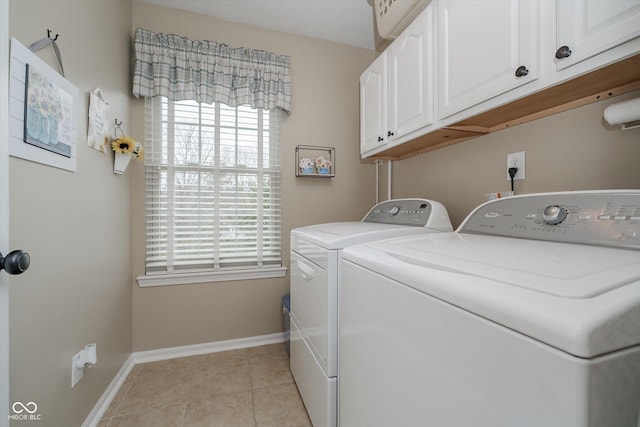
{"x": 607, "y": 218}
{"x": 414, "y": 212}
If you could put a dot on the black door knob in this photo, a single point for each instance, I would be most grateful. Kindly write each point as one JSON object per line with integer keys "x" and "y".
{"x": 563, "y": 52}
{"x": 16, "y": 262}
{"x": 380, "y": 139}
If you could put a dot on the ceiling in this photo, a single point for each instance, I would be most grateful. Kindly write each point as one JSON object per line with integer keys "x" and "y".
{"x": 348, "y": 22}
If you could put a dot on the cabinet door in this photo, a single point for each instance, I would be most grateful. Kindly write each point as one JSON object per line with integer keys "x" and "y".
{"x": 482, "y": 45}
{"x": 589, "y": 27}
{"x": 411, "y": 97}
{"x": 373, "y": 105}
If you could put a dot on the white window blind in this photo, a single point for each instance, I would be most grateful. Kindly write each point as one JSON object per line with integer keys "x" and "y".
{"x": 212, "y": 187}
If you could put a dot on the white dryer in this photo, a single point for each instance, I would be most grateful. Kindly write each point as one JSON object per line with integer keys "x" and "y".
{"x": 315, "y": 252}
{"x": 528, "y": 315}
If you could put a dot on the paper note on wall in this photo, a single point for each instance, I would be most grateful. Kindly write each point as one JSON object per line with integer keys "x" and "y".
{"x": 98, "y": 134}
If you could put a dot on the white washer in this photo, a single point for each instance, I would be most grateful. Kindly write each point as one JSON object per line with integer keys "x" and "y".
{"x": 527, "y": 315}
{"x": 315, "y": 252}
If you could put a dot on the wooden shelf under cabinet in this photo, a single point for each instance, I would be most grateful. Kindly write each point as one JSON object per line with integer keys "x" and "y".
{"x": 612, "y": 80}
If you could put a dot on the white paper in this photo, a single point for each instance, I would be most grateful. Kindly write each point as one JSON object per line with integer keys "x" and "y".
{"x": 98, "y": 133}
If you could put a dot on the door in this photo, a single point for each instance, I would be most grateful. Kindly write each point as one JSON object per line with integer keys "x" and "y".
{"x": 589, "y": 27}
{"x": 309, "y": 303}
{"x": 4, "y": 210}
{"x": 485, "y": 48}
{"x": 373, "y": 105}
{"x": 411, "y": 77}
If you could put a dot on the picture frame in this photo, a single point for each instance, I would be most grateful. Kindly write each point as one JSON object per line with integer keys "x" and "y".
{"x": 47, "y": 113}
{"x": 39, "y": 133}
{"x": 315, "y": 161}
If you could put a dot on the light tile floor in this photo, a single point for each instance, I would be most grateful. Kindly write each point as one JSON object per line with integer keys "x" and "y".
{"x": 250, "y": 387}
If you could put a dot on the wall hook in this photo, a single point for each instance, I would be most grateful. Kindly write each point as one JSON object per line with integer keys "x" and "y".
{"x": 49, "y": 35}
{"x": 118, "y": 128}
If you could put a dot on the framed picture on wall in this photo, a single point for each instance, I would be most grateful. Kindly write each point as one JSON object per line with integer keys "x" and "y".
{"x": 47, "y": 113}
{"x": 44, "y": 111}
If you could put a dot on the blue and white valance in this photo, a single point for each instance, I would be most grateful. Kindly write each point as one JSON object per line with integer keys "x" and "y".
{"x": 205, "y": 71}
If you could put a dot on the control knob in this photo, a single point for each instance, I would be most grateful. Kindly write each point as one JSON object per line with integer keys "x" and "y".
{"x": 394, "y": 210}
{"x": 554, "y": 214}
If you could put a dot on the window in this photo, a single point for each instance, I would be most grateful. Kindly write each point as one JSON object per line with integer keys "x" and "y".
{"x": 212, "y": 192}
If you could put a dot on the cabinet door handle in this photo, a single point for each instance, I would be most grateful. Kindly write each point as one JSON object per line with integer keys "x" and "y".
{"x": 380, "y": 139}
{"x": 522, "y": 71}
{"x": 563, "y": 52}
{"x": 389, "y": 133}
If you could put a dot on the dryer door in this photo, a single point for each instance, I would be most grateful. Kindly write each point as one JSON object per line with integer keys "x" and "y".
{"x": 309, "y": 303}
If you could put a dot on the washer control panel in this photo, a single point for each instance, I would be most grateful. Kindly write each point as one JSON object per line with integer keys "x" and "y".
{"x": 415, "y": 212}
{"x": 607, "y": 217}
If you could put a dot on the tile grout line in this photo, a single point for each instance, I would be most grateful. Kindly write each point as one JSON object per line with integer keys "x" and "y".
{"x": 253, "y": 399}
{"x": 124, "y": 395}
{"x": 190, "y": 396}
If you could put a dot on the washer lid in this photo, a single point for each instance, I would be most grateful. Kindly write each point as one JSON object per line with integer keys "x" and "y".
{"x": 563, "y": 270}
{"x": 582, "y": 299}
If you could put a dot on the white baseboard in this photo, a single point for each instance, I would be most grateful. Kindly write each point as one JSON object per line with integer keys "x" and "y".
{"x": 138, "y": 357}
{"x": 103, "y": 403}
{"x": 211, "y": 347}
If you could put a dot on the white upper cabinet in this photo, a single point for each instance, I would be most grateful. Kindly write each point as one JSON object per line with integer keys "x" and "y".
{"x": 396, "y": 91}
{"x": 373, "y": 105}
{"x": 485, "y": 48}
{"x": 466, "y": 68}
{"x": 586, "y": 28}
{"x": 411, "y": 78}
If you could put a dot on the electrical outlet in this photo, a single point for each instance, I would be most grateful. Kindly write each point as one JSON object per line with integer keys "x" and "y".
{"x": 516, "y": 160}
{"x": 76, "y": 372}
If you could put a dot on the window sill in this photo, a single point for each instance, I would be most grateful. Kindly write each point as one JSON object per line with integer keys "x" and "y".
{"x": 207, "y": 277}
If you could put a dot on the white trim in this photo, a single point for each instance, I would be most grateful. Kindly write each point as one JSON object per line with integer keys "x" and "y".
{"x": 138, "y": 357}
{"x": 4, "y": 210}
{"x": 205, "y": 348}
{"x": 210, "y": 276}
{"x": 103, "y": 403}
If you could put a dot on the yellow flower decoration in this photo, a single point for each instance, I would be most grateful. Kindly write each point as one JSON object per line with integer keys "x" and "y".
{"x": 123, "y": 144}
{"x": 139, "y": 151}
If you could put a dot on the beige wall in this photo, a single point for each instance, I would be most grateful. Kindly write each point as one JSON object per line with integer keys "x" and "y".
{"x": 325, "y": 112}
{"x": 574, "y": 150}
{"x": 76, "y": 226}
